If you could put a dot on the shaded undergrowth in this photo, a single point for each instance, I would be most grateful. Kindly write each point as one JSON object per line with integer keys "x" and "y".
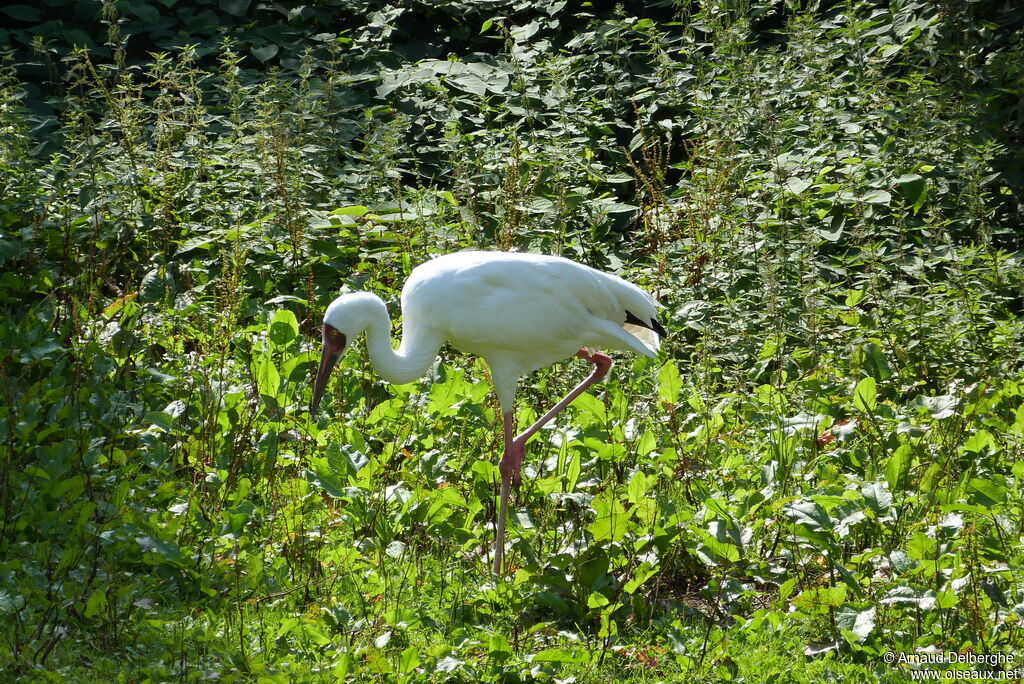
{"x": 823, "y": 466}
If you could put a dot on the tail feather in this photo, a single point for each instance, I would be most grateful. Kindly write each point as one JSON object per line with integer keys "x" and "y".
{"x": 646, "y": 336}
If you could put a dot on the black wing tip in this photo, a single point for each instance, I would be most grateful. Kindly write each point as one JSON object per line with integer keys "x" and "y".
{"x": 653, "y": 324}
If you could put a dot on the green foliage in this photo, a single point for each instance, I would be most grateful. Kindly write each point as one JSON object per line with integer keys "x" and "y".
{"x": 823, "y": 467}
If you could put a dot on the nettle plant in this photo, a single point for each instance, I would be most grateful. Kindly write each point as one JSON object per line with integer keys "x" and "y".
{"x": 823, "y": 199}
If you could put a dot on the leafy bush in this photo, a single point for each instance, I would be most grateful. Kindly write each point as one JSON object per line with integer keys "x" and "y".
{"x": 824, "y": 465}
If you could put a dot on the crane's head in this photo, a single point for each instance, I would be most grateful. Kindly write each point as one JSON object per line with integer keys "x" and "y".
{"x": 345, "y": 318}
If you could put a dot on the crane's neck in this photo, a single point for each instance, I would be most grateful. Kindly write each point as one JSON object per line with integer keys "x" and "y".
{"x": 414, "y": 355}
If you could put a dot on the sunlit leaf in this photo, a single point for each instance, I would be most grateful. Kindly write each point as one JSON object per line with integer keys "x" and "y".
{"x": 898, "y": 466}
{"x": 810, "y": 514}
{"x": 923, "y": 599}
{"x": 670, "y": 382}
{"x": 861, "y": 623}
{"x": 979, "y": 442}
{"x": 914, "y": 189}
{"x": 865, "y": 394}
{"x": 986, "y": 492}
{"x": 939, "y": 407}
{"x": 284, "y": 327}
{"x": 876, "y": 197}
{"x": 820, "y": 599}
{"x": 797, "y": 185}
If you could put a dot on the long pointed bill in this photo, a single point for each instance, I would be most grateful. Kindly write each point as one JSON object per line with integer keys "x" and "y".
{"x": 334, "y": 346}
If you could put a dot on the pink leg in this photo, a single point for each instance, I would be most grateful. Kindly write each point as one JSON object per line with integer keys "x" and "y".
{"x": 505, "y": 466}
{"x": 515, "y": 448}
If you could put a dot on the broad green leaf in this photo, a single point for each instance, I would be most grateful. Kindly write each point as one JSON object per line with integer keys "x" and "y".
{"x": 157, "y": 550}
{"x": 940, "y": 407}
{"x": 897, "y": 467}
{"x": 859, "y": 622}
{"x": 409, "y": 660}
{"x": 986, "y": 492}
{"x": 498, "y": 647}
{"x": 931, "y": 478}
{"x": 268, "y": 379}
{"x": 470, "y": 83}
{"x": 572, "y": 472}
{"x": 50, "y": 349}
{"x": 160, "y": 419}
{"x": 10, "y": 603}
{"x": 833, "y": 232}
{"x": 920, "y": 546}
{"x": 144, "y": 11}
{"x": 865, "y": 395}
{"x": 636, "y": 490}
{"x": 314, "y": 633}
{"x": 791, "y": 425}
{"x": 294, "y": 368}
{"x": 236, "y": 7}
{"x": 877, "y": 496}
{"x": 820, "y": 599}
{"x": 284, "y": 328}
{"x": 200, "y": 241}
{"x": 609, "y": 627}
{"x": 446, "y": 396}
{"x": 356, "y": 210}
{"x": 914, "y": 189}
{"x": 329, "y": 478}
{"x": 670, "y": 382}
{"x": 923, "y": 599}
{"x": 797, "y": 185}
{"x": 901, "y": 562}
{"x": 809, "y": 513}
{"x": 264, "y": 52}
{"x": 446, "y": 664}
{"x": 559, "y": 655}
{"x": 23, "y": 12}
{"x": 643, "y": 573}
{"x": 443, "y": 503}
{"x": 718, "y": 546}
{"x": 979, "y": 442}
{"x": 69, "y": 488}
{"x": 154, "y": 286}
{"x": 876, "y": 197}
{"x": 889, "y": 50}
{"x": 876, "y": 363}
{"x": 611, "y": 518}
{"x": 590, "y": 410}
{"x": 385, "y": 411}
{"x": 646, "y": 444}
{"x": 96, "y": 603}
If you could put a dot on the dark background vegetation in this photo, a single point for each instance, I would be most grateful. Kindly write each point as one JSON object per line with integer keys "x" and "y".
{"x": 823, "y": 467}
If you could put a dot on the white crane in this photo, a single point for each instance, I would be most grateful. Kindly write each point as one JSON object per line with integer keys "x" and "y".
{"x": 518, "y": 311}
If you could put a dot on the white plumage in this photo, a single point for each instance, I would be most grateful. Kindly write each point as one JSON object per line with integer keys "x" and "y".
{"x": 520, "y": 312}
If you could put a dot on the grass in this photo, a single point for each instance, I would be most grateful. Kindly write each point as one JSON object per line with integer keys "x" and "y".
{"x": 822, "y": 467}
